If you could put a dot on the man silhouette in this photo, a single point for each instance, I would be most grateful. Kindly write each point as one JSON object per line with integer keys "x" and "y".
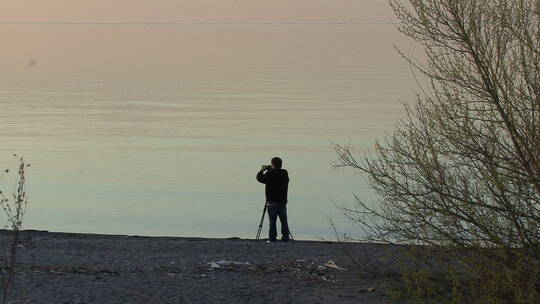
{"x": 276, "y": 180}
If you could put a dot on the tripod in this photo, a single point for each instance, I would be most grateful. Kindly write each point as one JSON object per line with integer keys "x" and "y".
{"x": 261, "y": 224}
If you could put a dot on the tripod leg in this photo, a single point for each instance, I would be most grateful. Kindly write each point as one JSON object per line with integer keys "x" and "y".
{"x": 290, "y": 234}
{"x": 261, "y": 223}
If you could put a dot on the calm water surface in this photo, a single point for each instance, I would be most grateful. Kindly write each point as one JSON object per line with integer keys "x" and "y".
{"x": 160, "y": 129}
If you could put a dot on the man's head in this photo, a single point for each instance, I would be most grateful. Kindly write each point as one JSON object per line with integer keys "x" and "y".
{"x": 276, "y": 163}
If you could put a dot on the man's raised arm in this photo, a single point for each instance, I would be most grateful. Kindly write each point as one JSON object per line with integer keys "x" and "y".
{"x": 261, "y": 177}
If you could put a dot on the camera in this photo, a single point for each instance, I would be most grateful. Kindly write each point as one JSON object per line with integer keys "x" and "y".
{"x": 268, "y": 167}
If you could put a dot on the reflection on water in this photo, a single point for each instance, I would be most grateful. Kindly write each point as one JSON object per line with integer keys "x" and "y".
{"x": 159, "y": 130}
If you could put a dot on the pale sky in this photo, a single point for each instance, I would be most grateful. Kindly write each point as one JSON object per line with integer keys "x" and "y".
{"x": 61, "y": 50}
{"x": 195, "y": 11}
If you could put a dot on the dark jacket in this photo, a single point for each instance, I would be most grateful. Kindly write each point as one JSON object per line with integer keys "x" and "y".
{"x": 277, "y": 184}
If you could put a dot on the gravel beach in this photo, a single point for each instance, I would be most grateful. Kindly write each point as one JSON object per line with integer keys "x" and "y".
{"x": 91, "y": 268}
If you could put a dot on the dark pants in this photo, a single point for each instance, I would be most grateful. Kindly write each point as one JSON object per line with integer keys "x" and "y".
{"x": 275, "y": 211}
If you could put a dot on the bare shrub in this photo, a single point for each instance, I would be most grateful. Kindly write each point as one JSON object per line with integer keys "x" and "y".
{"x": 460, "y": 175}
{"x": 14, "y": 208}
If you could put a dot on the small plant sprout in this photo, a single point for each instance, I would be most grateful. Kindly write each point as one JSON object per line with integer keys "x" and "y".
{"x": 14, "y": 209}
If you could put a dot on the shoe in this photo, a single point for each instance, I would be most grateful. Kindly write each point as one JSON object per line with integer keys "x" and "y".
{"x": 271, "y": 241}
{"x": 285, "y": 240}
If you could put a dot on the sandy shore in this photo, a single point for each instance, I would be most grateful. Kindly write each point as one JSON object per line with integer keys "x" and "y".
{"x": 90, "y": 268}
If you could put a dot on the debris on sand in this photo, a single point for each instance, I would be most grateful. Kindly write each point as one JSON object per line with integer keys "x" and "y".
{"x": 228, "y": 264}
{"x": 331, "y": 264}
{"x": 231, "y": 263}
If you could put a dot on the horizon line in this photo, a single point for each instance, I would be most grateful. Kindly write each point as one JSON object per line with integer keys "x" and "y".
{"x": 188, "y": 23}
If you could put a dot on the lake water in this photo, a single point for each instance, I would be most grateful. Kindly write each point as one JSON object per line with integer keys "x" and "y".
{"x": 159, "y": 129}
